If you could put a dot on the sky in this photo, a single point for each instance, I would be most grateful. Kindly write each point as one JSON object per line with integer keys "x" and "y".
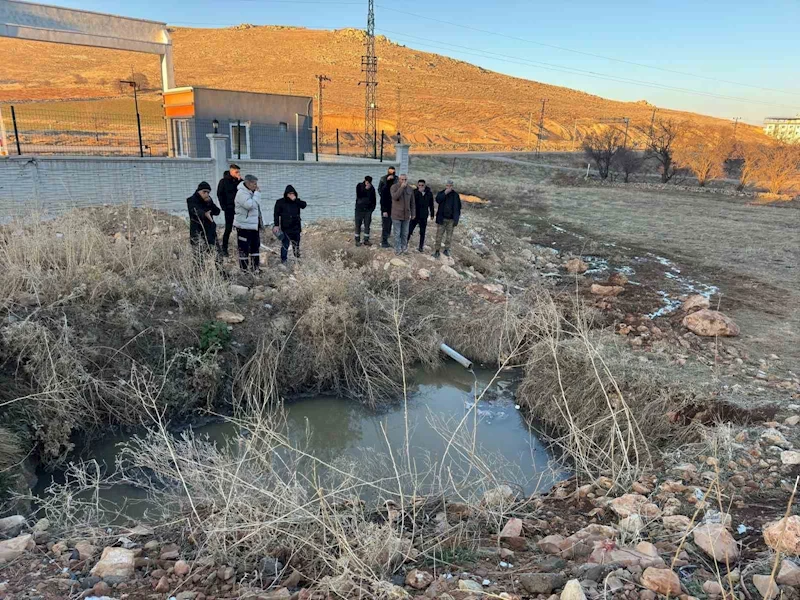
{"x": 729, "y": 59}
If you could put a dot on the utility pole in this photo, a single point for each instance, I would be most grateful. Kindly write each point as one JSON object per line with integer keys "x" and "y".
{"x": 399, "y": 109}
{"x": 530, "y": 124}
{"x": 369, "y": 67}
{"x": 735, "y": 123}
{"x": 321, "y": 80}
{"x": 541, "y": 130}
{"x": 652, "y": 123}
{"x": 135, "y": 86}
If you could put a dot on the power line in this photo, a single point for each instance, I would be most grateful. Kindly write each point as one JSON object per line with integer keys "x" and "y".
{"x": 593, "y": 55}
{"x": 571, "y": 70}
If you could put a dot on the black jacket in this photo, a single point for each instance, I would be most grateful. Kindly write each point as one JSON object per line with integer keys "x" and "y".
{"x": 287, "y": 212}
{"x": 385, "y": 192}
{"x": 365, "y": 198}
{"x": 424, "y": 203}
{"x": 449, "y": 207}
{"x": 200, "y": 228}
{"x": 226, "y": 191}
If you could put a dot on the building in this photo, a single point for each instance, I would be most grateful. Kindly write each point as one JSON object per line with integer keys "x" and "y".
{"x": 259, "y": 126}
{"x": 783, "y": 128}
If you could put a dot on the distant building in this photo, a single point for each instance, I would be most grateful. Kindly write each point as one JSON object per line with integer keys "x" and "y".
{"x": 259, "y": 126}
{"x": 783, "y": 128}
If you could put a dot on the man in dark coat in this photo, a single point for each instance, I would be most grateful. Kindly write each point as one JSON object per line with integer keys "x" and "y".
{"x": 202, "y": 210}
{"x": 287, "y": 221}
{"x": 447, "y": 216}
{"x": 385, "y": 193}
{"x": 226, "y": 194}
{"x": 423, "y": 200}
{"x": 365, "y": 205}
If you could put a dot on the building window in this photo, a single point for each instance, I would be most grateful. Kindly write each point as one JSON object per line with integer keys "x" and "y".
{"x": 240, "y": 140}
{"x": 284, "y": 127}
{"x": 181, "y": 137}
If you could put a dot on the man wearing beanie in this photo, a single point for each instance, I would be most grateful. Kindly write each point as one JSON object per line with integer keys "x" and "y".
{"x": 287, "y": 221}
{"x": 202, "y": 210}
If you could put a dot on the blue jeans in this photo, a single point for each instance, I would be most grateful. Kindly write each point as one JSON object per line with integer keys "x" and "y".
{"x": 400, "y": 232}
{"x": 294, "y": 238}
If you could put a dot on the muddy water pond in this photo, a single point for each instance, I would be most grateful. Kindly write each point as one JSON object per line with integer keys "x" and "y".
{"x": 437, "y": 402}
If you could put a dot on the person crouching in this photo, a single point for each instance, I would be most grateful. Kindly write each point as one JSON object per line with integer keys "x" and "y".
{"x": 287, "y": 221}
{"x": 248, "y": 223}
{"x": 202, "y": 227}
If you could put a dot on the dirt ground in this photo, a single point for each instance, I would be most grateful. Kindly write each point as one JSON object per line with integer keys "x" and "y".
{"x": 751, "y": 253}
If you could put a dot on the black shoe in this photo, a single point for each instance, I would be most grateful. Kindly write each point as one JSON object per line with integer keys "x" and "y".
{"x": 385, "y": 245}
{"x": 358, "y": 242}
{"x": 420, "y": 250}
{"x": 447, "y": 252}
{"x": 367, "y": 242}
{"x": 436, "y": 254}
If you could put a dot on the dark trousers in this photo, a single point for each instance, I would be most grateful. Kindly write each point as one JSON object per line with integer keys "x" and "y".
{"x": 228, "y": 228}
{"x": 387, "y": 229}
{"x": 292, "y": 237}
{"x": 363, "y": 217}
{"x": 423, "y": 226}
{"x": 249, "y": 242}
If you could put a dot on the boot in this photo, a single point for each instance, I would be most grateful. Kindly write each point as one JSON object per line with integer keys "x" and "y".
{"x": 446, "y": 252}
{"x": 436, "y": 254}
{"x": 358, "y": 241}
{"x": 367, "y": 242}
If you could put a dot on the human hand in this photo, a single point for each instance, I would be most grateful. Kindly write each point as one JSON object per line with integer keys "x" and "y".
{"x": 386, "y": 215}
{"x": 276, "y": 229}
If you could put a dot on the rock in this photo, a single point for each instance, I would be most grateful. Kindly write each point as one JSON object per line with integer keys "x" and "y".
{"x": 647, "y": 595}
{"x": 676, "y": 523}
{"x": 552, "y": 544}
{"x": 641, "y": 488}
{"x": 419, "y": 580}
{"x": 423, "y": 274}
{"x": 632, "y": 525}
{"x": 11, "y": 526}
{"x": 604, "y": 554}
{"x": 470, "y": 586}
{"x": 117, "y": 563}
{"x": 42, "y": 525}
{"x": 634, "y": 504}
{"x": 101, "y": 588}
{"x": 500, "y": 495}
{"x": 450, "y": 271}
{"x": 238, "y": 291}
{"x": 187, "y": 595}
{"x": 398, "y": 262}
{"x": 15, "y": 547}
{"x": 86, "y": 551}
{"x": 573, "y": 591}
{"x": 575, "y": 266}
{"x": 776, "y": 438}
{"x": 790, "y": 457}
{"x": 712, "y": 588}
{"x": 765, "y": 586}
{"x": 581, "y": 543}
{"x": 512, "y": 528}
{"x": 715, "y": 540}
{"x": 162, "y": 587}
{"x": 606, "y": 290}
{"x": 710, "y": 323}
{"x": 231, "y": 318}
{"x": 784, "y": 535}
{"x": 618, "y": 279}
{"x": 661, "y": 581}
{"x": 648, "y": 549}
{"x": 792, "y": 421}
{"x": 789, "y": 573}
{"x": 696, "y": 302}
{"x": 279, "y": 594}
{"x": 26, "y": 299}
{"x": 541, "y": 583}
{"x": 182, "y": 568}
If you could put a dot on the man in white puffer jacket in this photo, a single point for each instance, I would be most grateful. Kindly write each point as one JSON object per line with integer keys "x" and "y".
{"x": 248, "y": 223}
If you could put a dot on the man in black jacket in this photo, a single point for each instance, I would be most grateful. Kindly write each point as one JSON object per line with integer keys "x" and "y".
{"x": 365, "y": 205}
{"x": 447, "y": 217}
{"x": 287, "y": 221}
{"x": 226, "y": 194}
{"x": 423, "y": 199}
{"x": 385, "y": 193}
{"x": 202, "y": 210}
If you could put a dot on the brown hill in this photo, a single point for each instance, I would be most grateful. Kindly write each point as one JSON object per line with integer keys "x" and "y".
{"x": 432, "y": 99}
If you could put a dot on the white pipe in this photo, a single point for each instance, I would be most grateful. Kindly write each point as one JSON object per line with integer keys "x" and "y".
{"x": 464, "y": 362}
{"x": 297, "y": 134}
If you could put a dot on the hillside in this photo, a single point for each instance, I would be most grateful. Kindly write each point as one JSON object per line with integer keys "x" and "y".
{"x": 430, "y": 98}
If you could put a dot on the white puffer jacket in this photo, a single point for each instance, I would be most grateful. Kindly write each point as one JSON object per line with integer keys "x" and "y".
{"x": 247, "y": 208}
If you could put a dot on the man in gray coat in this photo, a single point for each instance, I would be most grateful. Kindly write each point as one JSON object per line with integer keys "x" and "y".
{"x": 403, "y": 211}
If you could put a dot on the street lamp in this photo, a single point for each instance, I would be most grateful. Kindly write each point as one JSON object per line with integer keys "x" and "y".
{"x": 135, "y": 86}
{"x": 215, "y": 125}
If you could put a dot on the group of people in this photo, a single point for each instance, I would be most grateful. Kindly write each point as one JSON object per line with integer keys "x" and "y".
{"x": 403, "y": 207}
{"x": 240, "y": 200}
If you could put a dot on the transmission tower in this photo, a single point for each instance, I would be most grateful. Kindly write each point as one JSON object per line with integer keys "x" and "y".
{"x": 321, "y": 79}
{"x": 369, "y": 68}
{"x": 541, "y": 129}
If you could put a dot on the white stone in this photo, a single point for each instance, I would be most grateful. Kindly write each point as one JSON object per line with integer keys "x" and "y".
{"x": 15, "y": 547}
{"x": 790, "y": 457}
{"x": 118, "y": 563}
{"x": 231, "y": 318}
{"x": 573, "y": 591}
{"x": 239, "y": 290}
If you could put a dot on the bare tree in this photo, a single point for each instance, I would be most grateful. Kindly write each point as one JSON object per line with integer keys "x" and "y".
{"x": 601, "y": 147}
{"x": 629, "y": 162}
{"x": 749, "y": 155}
{"x": 704, "y": 152}
{"x": 661, "y": 145}
{"x": 778, "y": 167}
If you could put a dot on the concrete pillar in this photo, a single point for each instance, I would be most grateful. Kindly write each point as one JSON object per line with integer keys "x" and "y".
{"x": 219, "y": 156}
{"x": 167, "y": 69}
{"x": 402, "y": 156}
